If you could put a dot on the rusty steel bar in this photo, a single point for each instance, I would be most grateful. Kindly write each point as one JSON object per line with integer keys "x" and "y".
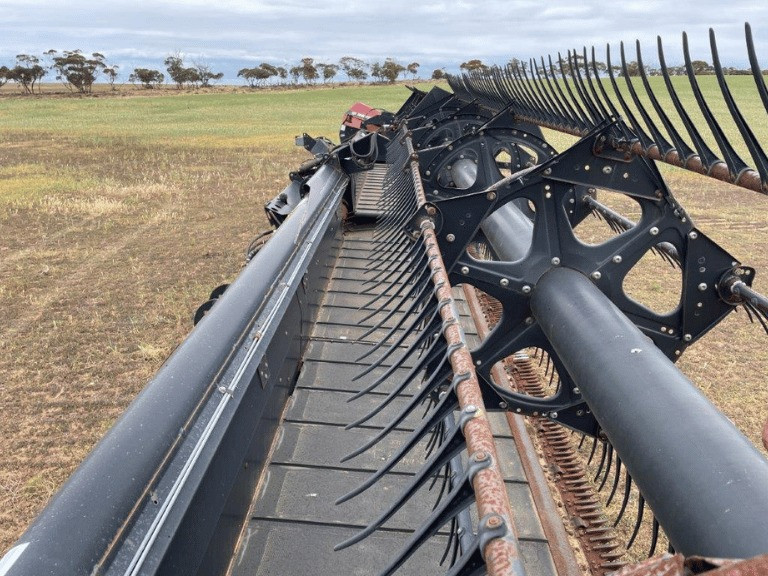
{"x": 502, "y": 556}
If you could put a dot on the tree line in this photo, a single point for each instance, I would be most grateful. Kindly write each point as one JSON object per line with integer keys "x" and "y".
{"x": 79, "y": 71}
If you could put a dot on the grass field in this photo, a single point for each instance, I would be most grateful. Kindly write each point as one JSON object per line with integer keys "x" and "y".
{"x": 119, "y": 215}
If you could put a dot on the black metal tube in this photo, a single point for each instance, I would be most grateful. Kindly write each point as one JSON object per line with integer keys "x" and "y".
{"x": 704, "y": 480}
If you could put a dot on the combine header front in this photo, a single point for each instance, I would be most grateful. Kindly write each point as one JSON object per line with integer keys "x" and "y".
{"x": 430, "y": 283}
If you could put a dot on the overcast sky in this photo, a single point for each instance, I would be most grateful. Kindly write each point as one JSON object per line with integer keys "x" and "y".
{"x": 230, "y": 34}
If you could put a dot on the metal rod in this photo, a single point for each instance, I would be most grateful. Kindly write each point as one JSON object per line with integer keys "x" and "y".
{"x": 662, "y": 425}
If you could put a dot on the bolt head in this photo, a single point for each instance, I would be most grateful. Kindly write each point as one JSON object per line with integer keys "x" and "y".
{"x": 596, "y": 275}
{"x": 465, "y": 269}
{"x": 504, "y": 282}
{"x": 553, "y": 415}
{"x": 654, "y": 231}
{"x": 607, "y": 169}
{"x": 687, "y": 337}
{"x": 576, "y": 390}
{"x": 494, "y": 521}
{"x": 555, "y": 261}
{"x": 693, "y": 235}
{"x": 480, "y": 456}
{"x": 702, "y": 287}
{"x": 526, "y": 289}
{"x": 491, "y": 196}
{"x": 450, "y": 237}
{"x": 617, "y": 259}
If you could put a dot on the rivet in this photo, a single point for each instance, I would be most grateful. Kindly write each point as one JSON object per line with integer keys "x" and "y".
{"x": 526, "y": 289}
{"x": 491, "y": 196}
{"x": 617, "y": 259}
{"x": 607, "y": 169}
{"x": 596, "y": 275}
{"x": 654, "y": 231}
{"x": 465, "y": 269}
{"x": 576, "y": 390}
{"x": 702, "y": 287}
{"x": 555, "y": 261}
{"x": 504, "y": 282}
{"x": 503, "y": 405}
{"x": 548, "y": 171}
{"x": 494, "y": 521}
{"x": 471, "y": 408}
{"x": 635, "y": 350}
{"x": 529, "y": 320}
{"x": 693, "y": 235}
{"x": 687, "y": 337}
{"x": 428, "y": 173}
{"x": 553, "y": 415}
{"x": 450, "y": 237}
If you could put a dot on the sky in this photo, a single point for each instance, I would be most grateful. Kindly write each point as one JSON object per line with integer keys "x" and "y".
{"x": 233, "y": 34}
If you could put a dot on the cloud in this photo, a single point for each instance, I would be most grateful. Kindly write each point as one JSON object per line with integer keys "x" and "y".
{"x": 434, "y": 32}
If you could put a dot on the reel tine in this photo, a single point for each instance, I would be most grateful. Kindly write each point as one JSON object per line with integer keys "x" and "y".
{"x": 413, "y": 327}
{"x": 654, "y": 537}
{"x": 578, "y": 83}
{"x": 433, "y": 352}
{"x": 658, "y": 139}
{"x": 431, "y": 357}
{"x": 607, "y": 468}
{"x": 600, "y": 106}
{"x": 757, "y": 73}
{"x": 427, "y": 330}
{"x": 735, "y": 164}
{"x": 583, "y": 118}
{"x": 616, "y": 478}
{"x": 593, "y": 451}
{"x": 603, "y": 457}
{"x": 426, "y": 472}
{"x": 458, "y": 499}
{"x": 638, "y": 522}
{"x": 757, "y": 153}
{"x": 576, "y": 120}
{"x": 452, "y": 446}
{"x": 678, "y": 144}
{"x": 644, "y": 139}
{"x": 707, "y": 157}
{"x": 625, "y": 501}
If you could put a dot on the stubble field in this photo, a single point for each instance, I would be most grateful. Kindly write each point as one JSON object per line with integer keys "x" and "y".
{"x": 119, "y": 215}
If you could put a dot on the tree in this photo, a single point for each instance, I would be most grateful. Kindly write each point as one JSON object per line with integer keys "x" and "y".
{"x": 295, "y": 73}
{"x": 308, "y": 70}
{"x": 111, "y": 73}
{"x": 377, "y": 71}
{"x": 205, "y": 75}
{"x": 354, "y": 68}
{"x": 413, "y": 68}
{"x": 4, "y": 71}
{"x": 328, "y": 71}
{"x": 258, "y": 75}
{"x": 179, "y": 73}
{"x": 438, "y": 74}
{"x": 473, "y": 65}
{"x": 701, "y": 67}
{"x": 147, "y": 77}
{"x": 76, "y": 71}
{"x": 391, "y": 69}
{"x": 27, "y": 72}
